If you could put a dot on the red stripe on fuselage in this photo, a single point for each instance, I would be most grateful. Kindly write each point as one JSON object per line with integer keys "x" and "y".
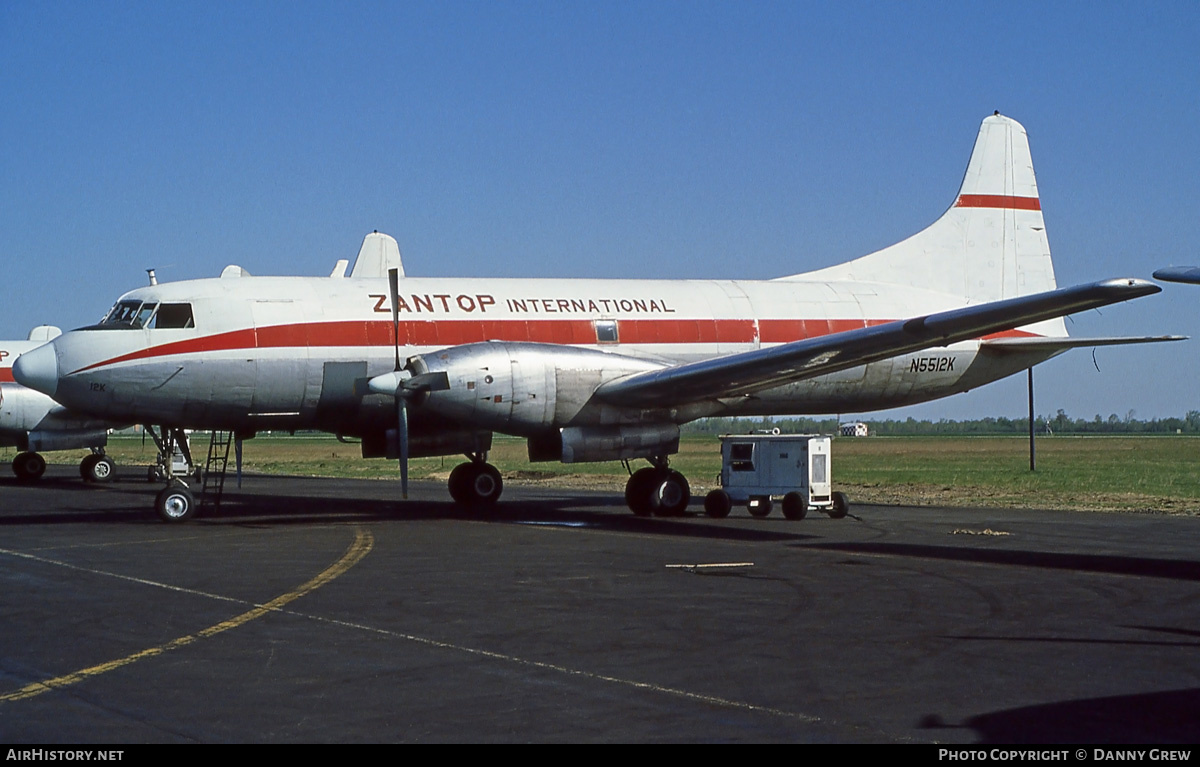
{"x": 6, "y": 376}
{"x": 1004, "y": 201}
{"x": 445, "y": 333}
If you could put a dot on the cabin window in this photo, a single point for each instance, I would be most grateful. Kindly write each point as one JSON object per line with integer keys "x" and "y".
{"x": 174, "y": 316}
{"x": 606, "y": 332}
{"x": 741, "y": 456}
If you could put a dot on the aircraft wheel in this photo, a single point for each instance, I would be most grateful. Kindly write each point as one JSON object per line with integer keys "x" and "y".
{"x": 97, "y": 468}
{"x": 795, "y": 506}
{"x": 85, "y": 466}
{"x": 717, "y": 504}
{"x": 670, "y": 493}
{"x": 476, "y": 484}
{"x": 458, "y": 481}
{"x": 760, "y": 505}
{"x": 841, "y": 506}
{"x": 637, "y": 491}
{"x": 175, "y": 504}
{"x": 29, "y": 466}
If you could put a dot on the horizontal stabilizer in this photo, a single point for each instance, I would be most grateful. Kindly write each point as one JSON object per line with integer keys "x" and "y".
{"x": 1039, "y": 343}
{"x": 748, "y": 372}
{"x": 1179, "y": 274}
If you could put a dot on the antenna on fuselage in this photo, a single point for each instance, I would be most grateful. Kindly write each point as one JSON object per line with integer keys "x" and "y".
{"x": 153, "y": 279}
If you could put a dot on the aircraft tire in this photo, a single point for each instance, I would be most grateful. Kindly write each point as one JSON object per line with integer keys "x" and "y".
{"x": 29, "y": 466}
{"x": 486, "y": 485}
{"x": 97, "y": 468}
{"x": 638, "y": 489}
{"x": 840, "y": 507}
{"x": 175, "y": 504}
{"x": 794, "y": 506}
{"x": 762, "y": 508}
{"x": 670, "y": 493}
{"x": 457, "y": 482}
{"x": 717, "y": 504}
{"x": 103, "y": 470}
{"x": 476, "y": 484}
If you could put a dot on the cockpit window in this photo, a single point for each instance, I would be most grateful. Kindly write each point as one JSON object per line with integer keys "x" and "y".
{"x": 128, "y": 314}
{"x": 136, "y": 314}
{"x": 174, "y": 316}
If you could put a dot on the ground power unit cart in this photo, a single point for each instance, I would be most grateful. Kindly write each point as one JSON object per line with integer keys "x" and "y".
{"x": 757, "y": 467}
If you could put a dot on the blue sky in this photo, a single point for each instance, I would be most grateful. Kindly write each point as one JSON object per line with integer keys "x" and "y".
{"x": 615, "y": 139}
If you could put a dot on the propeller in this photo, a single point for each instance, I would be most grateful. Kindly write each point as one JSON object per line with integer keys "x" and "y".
{"x": 402, "y": 384}
{"x": 401, "y": 399}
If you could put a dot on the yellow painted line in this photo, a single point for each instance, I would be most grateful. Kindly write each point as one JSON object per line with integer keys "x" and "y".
{"x": 364, "y": 541}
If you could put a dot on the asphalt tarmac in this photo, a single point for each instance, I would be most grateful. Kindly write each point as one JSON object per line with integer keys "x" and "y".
{"x": 318, "y": 610}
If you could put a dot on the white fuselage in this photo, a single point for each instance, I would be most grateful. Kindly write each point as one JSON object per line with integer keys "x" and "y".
{"x": 292, "y": 352}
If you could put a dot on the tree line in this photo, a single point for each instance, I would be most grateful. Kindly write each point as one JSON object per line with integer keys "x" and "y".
{"x": 1059, "y": 423}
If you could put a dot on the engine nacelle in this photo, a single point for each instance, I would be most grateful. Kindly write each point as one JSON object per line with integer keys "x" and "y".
{"x": 519, "y": 388}
{"x": 66, "y": 440}
{"x": 579, "y": 444}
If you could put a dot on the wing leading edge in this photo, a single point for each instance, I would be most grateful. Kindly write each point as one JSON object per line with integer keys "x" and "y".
{"x": 748, "y": 372}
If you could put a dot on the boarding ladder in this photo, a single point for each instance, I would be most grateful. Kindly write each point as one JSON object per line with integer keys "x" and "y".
{"x": 215, "y": 467}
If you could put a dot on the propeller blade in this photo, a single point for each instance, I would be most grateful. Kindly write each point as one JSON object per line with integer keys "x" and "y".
{"x": 394, "y": 287}
{"x": 402, "y": 438}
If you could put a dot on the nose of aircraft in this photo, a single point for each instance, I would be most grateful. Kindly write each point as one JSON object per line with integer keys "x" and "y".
{"x": 38, "y": 369}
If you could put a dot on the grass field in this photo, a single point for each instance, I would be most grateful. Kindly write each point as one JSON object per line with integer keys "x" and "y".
{"x": 1144, "y": 474}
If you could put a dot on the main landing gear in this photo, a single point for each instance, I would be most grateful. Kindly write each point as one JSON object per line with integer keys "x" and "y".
{"x": 477, "y": 483}
{"x": 29, "y": 466}
{"x": 96, "y": 467}
{"x": 657, "y": 490}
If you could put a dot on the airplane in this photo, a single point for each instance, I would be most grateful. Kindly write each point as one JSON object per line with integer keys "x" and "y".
{"x": 586, "y": 370}
{"x": 30, "y": 421}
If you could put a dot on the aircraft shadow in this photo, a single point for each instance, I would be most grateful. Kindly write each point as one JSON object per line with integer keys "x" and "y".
{"x": 1173, "y": 569}
{"x": 1156, "y": 717}
{"x": 560, "y": 510}
{"x": 296, "y": 508}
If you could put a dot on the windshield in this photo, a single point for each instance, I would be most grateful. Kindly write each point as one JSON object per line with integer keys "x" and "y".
{"x": 129, "y": 314}
{"x": 136, "y": 314}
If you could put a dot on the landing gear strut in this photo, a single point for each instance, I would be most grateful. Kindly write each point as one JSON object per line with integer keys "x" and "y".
{"x": 657, "y": 490}
{"x": 175, "y": 502}
{"x": 476, "y": 483}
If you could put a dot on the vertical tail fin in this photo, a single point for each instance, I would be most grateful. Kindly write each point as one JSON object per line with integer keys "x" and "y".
{"x": 991, "y": 244}
{"x": 378, "y": 254}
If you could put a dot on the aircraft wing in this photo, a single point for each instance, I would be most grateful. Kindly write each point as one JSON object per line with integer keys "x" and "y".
{"x": 748, "y": 372}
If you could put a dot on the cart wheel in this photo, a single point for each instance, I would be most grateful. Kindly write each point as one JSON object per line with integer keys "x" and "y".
{"x": 760, "y": 505}
{"x": 717, "y": 504}
{"x": 840, "y": 507}
{"x": 795, "y": 506}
